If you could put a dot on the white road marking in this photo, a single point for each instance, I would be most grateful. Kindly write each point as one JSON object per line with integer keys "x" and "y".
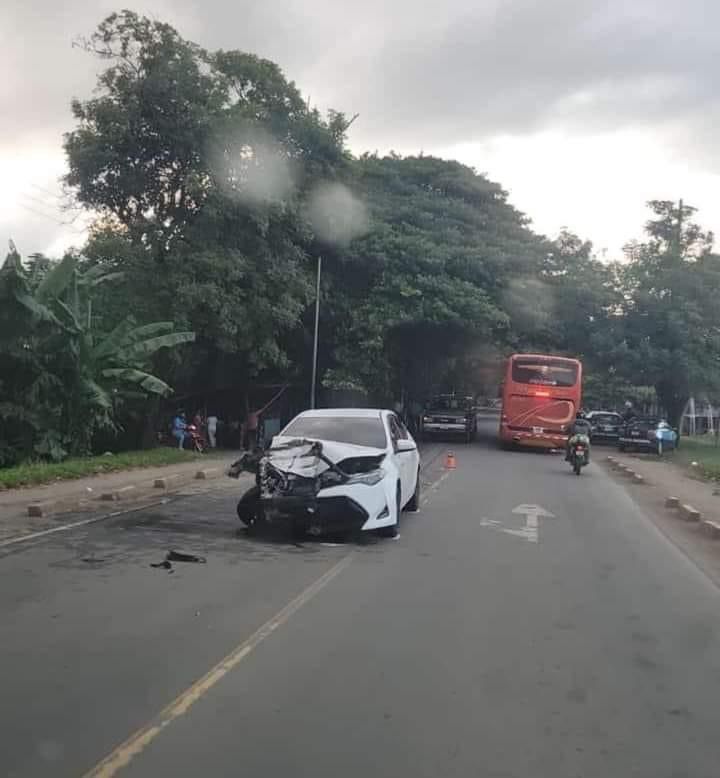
{"x": 123, "y": 754}
{"x": 531, "y": 530}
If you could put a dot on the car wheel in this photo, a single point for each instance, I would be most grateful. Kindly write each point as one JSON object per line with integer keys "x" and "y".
{"x": 414, "y": 504}
{"x": 392, "y": 530}
{"x": 659, "y": 448}
{"x": 248, "y": 508}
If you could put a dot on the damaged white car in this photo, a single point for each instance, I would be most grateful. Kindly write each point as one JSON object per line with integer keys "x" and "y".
{"x": 334, "y": 471}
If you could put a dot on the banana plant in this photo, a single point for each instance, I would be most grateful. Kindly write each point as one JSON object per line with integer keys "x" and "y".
{"x": 96, "y": 370}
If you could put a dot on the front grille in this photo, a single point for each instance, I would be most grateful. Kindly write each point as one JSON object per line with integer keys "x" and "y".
{"x": 275, "y": 483}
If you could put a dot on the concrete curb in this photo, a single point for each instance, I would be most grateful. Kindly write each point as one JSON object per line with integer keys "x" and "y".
{"x": 168, "y": 481}
{"x": 208, "y": 472}
{"x": 119, "y": 494}
{"x": 131, "y": 491}
{"x": 672, "y": 503}
{"x": 710, "y": 528}
{"x": 689, "y": 513}
{"x": 41, "y": 509}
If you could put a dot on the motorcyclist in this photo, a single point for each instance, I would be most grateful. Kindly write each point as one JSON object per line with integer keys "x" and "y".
{"x": 579, "y": 433}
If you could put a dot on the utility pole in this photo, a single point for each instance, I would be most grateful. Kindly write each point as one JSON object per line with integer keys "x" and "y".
{"x": 679, "y": 228}
{"x": 315, "y": 339}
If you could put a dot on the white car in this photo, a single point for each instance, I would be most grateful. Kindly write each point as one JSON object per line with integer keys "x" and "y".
{"x": 336, "y": 470}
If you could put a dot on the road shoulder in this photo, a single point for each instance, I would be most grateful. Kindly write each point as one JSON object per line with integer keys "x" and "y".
{"x": 660, "y": 480}
{"x": 37, "y": 509}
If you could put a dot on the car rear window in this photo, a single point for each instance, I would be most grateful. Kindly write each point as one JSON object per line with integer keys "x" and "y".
{"x": 342, "y": 429}
{"x": 546, "y": 372}
{"x": 605, "y": 418}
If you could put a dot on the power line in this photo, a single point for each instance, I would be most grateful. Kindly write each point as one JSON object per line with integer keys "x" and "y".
{"x": 40, "y": 201}
{"x": 45, "y": 191}
{"x": 51, "y": 218}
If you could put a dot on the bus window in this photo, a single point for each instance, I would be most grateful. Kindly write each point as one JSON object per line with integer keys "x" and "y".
{"x": 544, "y": 372}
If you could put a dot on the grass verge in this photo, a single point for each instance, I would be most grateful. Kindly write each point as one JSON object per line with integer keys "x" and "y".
{"x": 700, "y": 449}
{"x": 47, "y": 472}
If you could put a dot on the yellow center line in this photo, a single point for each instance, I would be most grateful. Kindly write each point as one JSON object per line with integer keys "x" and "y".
{"x": 124, "y": 753}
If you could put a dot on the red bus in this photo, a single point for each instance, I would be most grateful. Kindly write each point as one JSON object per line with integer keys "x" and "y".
{"x": 541, "y": 394}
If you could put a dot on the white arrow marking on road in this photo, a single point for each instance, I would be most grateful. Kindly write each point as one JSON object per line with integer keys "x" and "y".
{"x": 536, "y": 510}
{"x": 531, "y": 512}
{"x": 530, "y": 531}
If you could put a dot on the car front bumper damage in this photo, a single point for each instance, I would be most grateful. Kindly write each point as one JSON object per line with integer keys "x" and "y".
{"x": 297, "y": 486}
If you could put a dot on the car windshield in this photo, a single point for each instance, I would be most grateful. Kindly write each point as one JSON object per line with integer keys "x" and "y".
{"x": 546, "y": 372}
{"x": 644, "y": 423}
{"x": 449, "y": 404}
{"x": 605, "y": 418}
{"x": 362, "y": 431}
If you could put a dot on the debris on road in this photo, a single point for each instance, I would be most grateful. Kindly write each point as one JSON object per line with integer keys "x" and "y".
{"x": 177, "y": 556}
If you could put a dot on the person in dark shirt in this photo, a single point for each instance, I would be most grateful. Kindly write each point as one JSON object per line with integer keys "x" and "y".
{"x": 578, "y": 433}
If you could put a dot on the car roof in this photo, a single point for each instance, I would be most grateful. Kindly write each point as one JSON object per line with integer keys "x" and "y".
{"x": 347, "y": 413}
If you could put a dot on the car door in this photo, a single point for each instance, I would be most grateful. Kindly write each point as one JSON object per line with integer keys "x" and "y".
{"x": 406, "y": 460}
{"x": 413, "y": 458}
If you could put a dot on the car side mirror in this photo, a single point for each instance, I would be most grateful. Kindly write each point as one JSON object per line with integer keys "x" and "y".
{"x": 404, "y": 445}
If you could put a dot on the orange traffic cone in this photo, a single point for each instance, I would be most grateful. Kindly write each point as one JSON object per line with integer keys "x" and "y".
{"x": 450, "y": 461}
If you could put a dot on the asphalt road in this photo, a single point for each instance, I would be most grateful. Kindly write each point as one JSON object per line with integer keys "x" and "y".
{"x": 483, "y": 642}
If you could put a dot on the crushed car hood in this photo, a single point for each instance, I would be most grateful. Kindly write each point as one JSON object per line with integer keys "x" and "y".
{"x": 306, "y": 457}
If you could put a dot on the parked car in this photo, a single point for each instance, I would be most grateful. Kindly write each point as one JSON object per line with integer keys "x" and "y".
{"x": 605, "y": 425}
{"x": 334, "y": 471}
{"x": 648, "y": 434}
{"x": 449, "y": 414}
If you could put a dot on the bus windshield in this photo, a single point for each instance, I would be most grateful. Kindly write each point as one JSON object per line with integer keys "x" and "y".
{"x": 545, "y": 372}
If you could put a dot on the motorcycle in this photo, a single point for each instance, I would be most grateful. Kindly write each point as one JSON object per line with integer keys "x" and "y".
{"x": 579, "y": 456}
{"x": 195, "y": 440}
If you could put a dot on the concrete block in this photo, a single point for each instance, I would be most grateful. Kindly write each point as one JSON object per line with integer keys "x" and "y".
{"x": 710, "y": 528}
{"x": 207, "y": 472}
{"x": 639, "y": 479}
{"x": 672, "y": 502}
{"x": 119, "y": 494}
{"x": 689, "y": 513}
{"x": 168, "y": 481}
{"x": 40, "y": 509}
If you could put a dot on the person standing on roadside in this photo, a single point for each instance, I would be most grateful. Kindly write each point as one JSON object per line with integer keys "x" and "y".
{"x": 251, "y": 430}
{"x": 212, "y": 424}
{"x": 179, "y": 428}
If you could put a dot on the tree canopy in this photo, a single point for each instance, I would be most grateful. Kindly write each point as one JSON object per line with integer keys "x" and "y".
{"x": 217, "y": 188}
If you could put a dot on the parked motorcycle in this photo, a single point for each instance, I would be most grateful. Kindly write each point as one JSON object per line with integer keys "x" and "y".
{"x": 579, "y": 456}
{"x": 195, "y": 440}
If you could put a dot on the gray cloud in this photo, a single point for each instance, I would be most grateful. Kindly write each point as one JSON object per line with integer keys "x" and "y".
{"x": 420, "y": 77}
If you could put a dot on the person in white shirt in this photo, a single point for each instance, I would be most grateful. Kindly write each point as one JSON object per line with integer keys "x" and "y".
{"x": 212, "y": 423}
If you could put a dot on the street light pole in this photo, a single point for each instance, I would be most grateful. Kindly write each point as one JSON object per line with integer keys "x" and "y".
{"x": 315, "y": 339}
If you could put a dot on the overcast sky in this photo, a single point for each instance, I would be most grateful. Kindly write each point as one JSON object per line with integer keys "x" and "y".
{"x": 581, "y": 109}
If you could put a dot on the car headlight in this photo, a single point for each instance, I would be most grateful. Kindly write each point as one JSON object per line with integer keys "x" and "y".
{"x": 330, "y": 478}
{"x": 427, "y": 418}
{"x": 369, "y": 479}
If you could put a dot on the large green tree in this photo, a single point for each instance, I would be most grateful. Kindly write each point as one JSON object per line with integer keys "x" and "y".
{"x": 671, "y": 315}
{"x": 201, "y": 164}
{"x": 426, "y": 283}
